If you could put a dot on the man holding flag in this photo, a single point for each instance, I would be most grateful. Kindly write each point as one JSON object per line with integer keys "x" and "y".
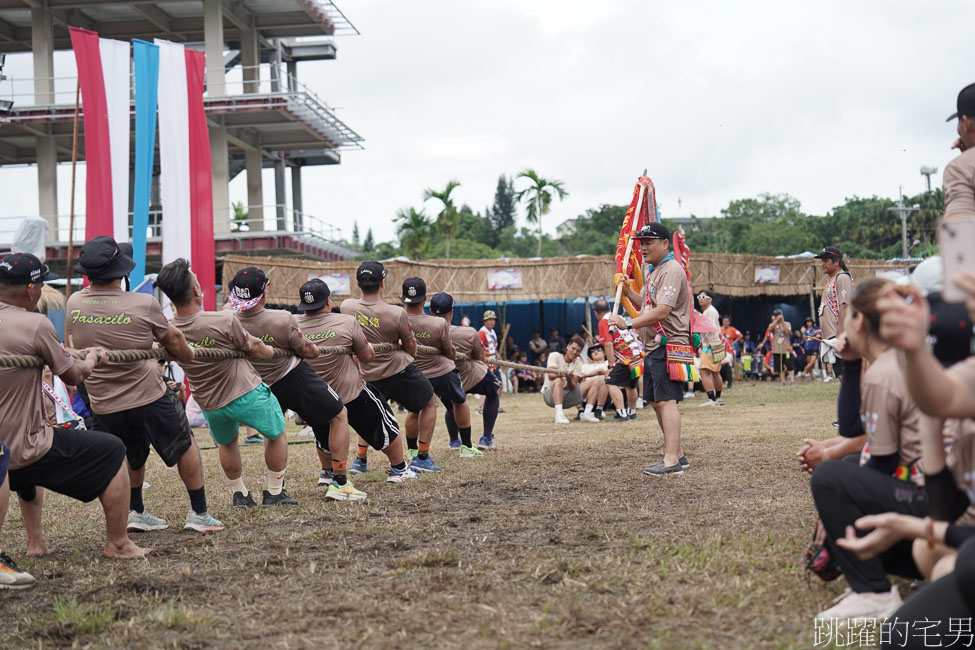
{"x": 665, "y": 319}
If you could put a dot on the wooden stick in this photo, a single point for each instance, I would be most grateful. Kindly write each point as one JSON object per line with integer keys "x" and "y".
{"x": 629, "y": 244}
{"x": 74, "y": 165}
{"x": 503, "y": 346}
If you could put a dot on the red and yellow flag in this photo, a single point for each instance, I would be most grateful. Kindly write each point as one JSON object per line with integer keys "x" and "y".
{"x": 632, "y": 267}
{"x": 682, "y": 253}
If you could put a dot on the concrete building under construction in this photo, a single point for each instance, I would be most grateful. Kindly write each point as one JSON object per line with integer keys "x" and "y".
{"x": 260, "y": 115}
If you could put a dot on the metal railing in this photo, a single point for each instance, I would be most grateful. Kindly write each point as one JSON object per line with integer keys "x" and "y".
{"x": 257, "y": 221}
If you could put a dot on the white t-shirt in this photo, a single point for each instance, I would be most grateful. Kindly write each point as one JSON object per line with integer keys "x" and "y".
{"x": 557, "y": 360}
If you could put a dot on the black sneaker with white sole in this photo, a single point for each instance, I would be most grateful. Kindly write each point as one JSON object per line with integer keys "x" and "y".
{"x": 241, "y": 501}
{"x": 281, "y": 499}
{"x": 684, "y": 462}
{"x": 659, "y": 469}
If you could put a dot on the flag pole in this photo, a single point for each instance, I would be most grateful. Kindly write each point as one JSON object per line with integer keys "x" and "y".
{"x": 629, "y": 244}
{"x": 74, "y": 165}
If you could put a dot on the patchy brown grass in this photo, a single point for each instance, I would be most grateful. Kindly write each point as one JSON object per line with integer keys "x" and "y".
{"x": 554, "y": 540}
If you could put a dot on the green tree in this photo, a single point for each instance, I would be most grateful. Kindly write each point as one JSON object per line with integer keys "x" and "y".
{"x": 368, "y": 244}
{"x": 447, "y": 218}
{"x": 596, "y": 232}
{"x": 538, "y": 197}
{"x": 414, "y": 230}
{"x": 240, "y": 218}
{"x": 504, "y": 211}
{"x": 355, "y": 233}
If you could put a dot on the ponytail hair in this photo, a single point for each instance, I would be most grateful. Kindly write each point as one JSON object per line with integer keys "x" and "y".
{"x": 864, "y": 301}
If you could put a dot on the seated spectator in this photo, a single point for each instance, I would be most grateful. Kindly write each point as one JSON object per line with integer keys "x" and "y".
{"x": 555, "y": 342}
{"x": 596, "y": 390}
{"x": 525, "y": 380}
{"x": 887, "y": 477}
{"x": 536, "y": 346}
{"x": 559, "y": 391}
{"x": 510, "y": 349}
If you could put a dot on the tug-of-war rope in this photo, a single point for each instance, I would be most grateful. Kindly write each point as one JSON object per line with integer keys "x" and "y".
{"x": 128, "y": 356}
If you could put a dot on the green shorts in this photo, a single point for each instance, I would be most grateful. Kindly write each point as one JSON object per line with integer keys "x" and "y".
{"x": 258, "y": 409}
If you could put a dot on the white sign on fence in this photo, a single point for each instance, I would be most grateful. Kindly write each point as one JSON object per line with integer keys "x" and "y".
{"x": 338, "y": 283}
{"x": 504, "y": 279}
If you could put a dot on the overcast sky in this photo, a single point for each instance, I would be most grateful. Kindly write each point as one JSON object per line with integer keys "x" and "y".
{"x": 821, "y": 100}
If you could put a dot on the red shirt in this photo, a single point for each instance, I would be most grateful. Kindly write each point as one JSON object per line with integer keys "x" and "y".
{"x": 602, "y": 328}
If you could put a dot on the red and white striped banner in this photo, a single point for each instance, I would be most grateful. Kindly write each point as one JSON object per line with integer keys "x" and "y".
{"x": 103, "y": 73}
{"x": 184, "y": 152}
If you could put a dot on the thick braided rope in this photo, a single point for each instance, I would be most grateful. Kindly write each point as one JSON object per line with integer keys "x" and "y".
{"x": 128, "y": 356}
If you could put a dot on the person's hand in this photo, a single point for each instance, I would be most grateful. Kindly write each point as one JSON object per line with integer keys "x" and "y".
{"x": 617, "y": 321}
{"x": 885, "y": 530}
{"x": 620, "y": 278}
{"x": 966, "y": 282}
{"x": 904, "y": 321}
{"x": 844, "y": 349}
{"x": 812, "y": 453}
{"x": 96, "y": 356}
{"x": 959, "y": 145}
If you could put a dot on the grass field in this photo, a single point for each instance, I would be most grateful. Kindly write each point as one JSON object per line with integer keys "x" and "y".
{"x": 555, "y": 539}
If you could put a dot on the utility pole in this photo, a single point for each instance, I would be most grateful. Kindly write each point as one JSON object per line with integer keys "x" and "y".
{"x": 928, "y": 172}
{"x": 902, "y": 211}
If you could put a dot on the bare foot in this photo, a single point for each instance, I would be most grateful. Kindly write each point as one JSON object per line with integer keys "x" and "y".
{"x": 127, "y": 550}
{"x": 38, "y": 549}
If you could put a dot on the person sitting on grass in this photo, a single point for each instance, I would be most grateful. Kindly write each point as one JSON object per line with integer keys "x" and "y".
{"x": 229, "y": 391}
{"x": 525, "y": 378}
{"x": 83, "y": 465}
{"x": 888, "y": 476}
{"x": 561, "y": 391}
{"x": 596, "y": 390}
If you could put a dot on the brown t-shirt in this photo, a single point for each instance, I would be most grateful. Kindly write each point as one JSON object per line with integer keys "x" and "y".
{"x": 434, "y": 332}
{"x": 22, "y": 398}
{"x": 217, "y": 382}
{"x": 959, "y": 186}
{"x": 118, "y": 320}
{"x": 781, "y": 337}
{"x": 890, "y": 418}
{"x": 381, "y": 323}
{"x": 667, "y": 285}
{"x": 278, "y": 329}
{"x": 842, "y": 283}
{"x": 960, "y": 435}
{"x": 472, "y": 371}
{"x": 338, "y": 370}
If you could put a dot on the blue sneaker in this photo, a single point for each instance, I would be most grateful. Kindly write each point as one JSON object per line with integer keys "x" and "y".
{"x": 455, "y": 444}
{"x": 426, "y": 465}
{"x": 485, "y": 443}
{"x": 358, "y": 466}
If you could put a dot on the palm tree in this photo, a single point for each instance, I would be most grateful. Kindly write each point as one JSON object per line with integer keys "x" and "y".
{"x": 538, "y": 195}
{"x": 414, "y": 231}
{"x": 448, "y": 218}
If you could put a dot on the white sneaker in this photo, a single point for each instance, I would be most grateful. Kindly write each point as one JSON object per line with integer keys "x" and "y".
{"x": 145, "y": 522}
{"x": 561, "y": 419}
{"x": 828, "y": 379}
{"x": 689, "y": 395}
{"x": 307, "y": 432}
{"x": 866, "y": 605}
{"x": 588, "y": 417}
{"x": 640, "y": 404}
{"x": 710, "y": 402}
{"x": 394, "y": 475}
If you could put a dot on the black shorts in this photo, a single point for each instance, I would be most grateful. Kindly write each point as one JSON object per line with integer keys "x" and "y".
{"x": 657, "y": 384}
{"x": 620, "y": 376}
{"x": 162, "y": 423}
{"x": 449, "y": 388}
{"x": 4, "y": 461}
{"x": 488, "y": 386}
{"x": 303, "y": 391}
{"x": 408, "y": 387}
{"x": 782, "y": 359}
{"x": 370, "y": 417}
{"x": 80, "y": 465}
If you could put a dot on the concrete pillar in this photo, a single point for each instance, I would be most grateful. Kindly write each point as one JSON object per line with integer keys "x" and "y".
{"x": 255, "y": 190}
{"x": 42, "y": 46}
{"x": 280, "y": 197}
{"x": 213, "y": 38}
{"x": 250, "y": 59}
{"x": 276, "y": 68}
{"x": 293, "y": 76}
{"x": 296, "y": 202}
{"x": 220, "y": 162}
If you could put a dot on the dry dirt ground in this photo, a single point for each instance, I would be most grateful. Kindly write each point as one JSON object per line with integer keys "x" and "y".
{"x": 554, "y": 540}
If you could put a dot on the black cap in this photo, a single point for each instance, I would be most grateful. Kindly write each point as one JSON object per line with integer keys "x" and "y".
{"x": 777, "y": 312}
{"x": 653, "y": 230}
{"x": 965, "y": 103}
{"x": 414, "y": 291}
{"x": 102, "y": 258}
{"x": 441, "y": 303}
{"x": 246, "y": 288}
{"x": 24, "y": 268}
{"x": 830, "y": 251}
{"x": 313, "y": 295}
{"x": 370, "y": 272}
